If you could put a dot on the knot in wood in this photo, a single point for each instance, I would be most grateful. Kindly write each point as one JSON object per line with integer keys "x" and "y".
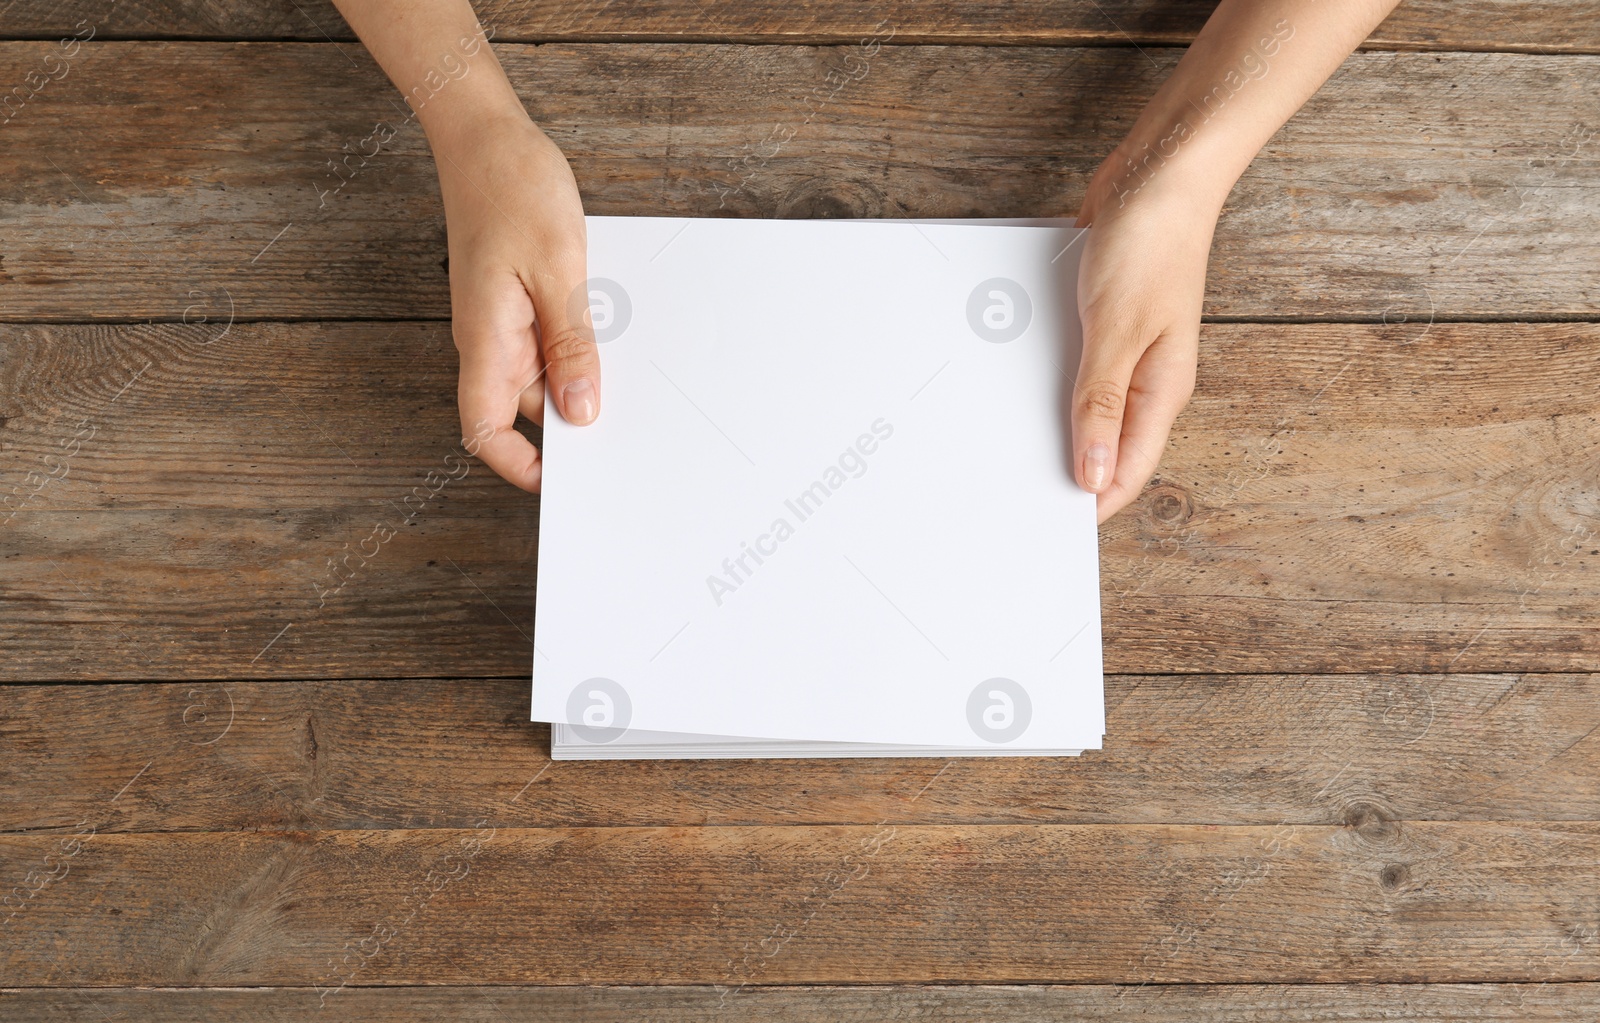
{"x": 830, "y": 199}
{"x": 1372, "y": 822}
{"x": 1169, "y": 506}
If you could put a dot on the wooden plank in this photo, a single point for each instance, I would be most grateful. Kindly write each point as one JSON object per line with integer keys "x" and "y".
{"x": 1532, "y": 25}
{"x": 306, "y": 478}
{"x": 214, "y": 195}
{"x": 1353, "y": 454}
{"x": 1303, "y": 750}
{"x": 1167, "y": 1003}
{"x": 1379, "y": 901}
{"x": 1433, "y": 485}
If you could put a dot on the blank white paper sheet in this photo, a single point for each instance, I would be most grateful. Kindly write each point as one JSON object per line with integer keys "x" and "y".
{"x": 829, "y": 495}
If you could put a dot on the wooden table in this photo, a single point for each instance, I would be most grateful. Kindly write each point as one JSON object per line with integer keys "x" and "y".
{"x": 253, "y": 763}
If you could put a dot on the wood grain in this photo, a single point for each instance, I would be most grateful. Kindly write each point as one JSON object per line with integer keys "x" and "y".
{"x": 1414, "y": 185}
{"x": 1265, "y": 750}
{"x": 1165, "y": 1003}
{"x": 1433, "y": 485}
{"x": 1378, "y": 901}
{"x": 1535, "y": 25}
{"x": 1407, "y": 511}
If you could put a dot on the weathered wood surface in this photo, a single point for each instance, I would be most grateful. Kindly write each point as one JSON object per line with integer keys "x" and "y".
{"x": 218, "y": 510}
{"x": 1459, "y": 185}
{"x": 374, "y": 755}
{"x": 1565, "y": 26}
{"x": 1375, "y": 901}
{"x": 1164, "y": 1003}
{"x": 1417, "y": 497}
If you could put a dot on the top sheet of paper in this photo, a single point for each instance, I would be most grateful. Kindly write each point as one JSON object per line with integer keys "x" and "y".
{"x": 829, "y": 494}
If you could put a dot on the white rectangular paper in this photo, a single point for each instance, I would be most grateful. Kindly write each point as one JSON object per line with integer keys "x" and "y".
{"x": 829, "y": 495}
{"x": 637, "y": 744}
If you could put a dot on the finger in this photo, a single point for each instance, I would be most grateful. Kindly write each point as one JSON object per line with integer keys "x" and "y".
{"x": 489, "y": 434}
{"x": 566, "y": 341}
{"x": 1111, "y": 350}
{"x": 1158, "y": 391}
{"x": 493, "y": 326}
{"x": 488, "y": 396}
{"x": 530, "y": 402}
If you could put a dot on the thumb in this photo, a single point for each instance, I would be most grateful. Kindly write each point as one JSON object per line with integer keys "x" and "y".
{"x": 566, "y": 340}
{"x": 1100, "y": 401}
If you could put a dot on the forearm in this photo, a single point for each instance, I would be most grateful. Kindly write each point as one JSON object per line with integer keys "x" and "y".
{"x": 439, "y": 57}
{"x": 1253, "y": 65}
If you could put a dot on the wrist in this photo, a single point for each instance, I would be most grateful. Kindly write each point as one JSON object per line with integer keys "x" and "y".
{"x": 1172, "y": 160}
{"x": 1163, "y": 169}
{"x": 472, "y": 118}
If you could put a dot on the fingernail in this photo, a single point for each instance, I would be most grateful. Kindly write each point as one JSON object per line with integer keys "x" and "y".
{"x": 579, "y": 401}
{"x": 1095, "y": 462}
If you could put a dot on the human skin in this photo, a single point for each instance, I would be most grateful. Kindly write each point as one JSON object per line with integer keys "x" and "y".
{"x": 517, "y": 242}
{"x": 515, "y": 224}
{"x": 1153, "y": 205}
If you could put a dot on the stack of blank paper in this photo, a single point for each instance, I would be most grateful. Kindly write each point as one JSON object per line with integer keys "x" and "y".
{"x": 828, "y": 508}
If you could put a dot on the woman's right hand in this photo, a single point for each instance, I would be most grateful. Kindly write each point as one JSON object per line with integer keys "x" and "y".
{"x": 1141, "y": 281}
